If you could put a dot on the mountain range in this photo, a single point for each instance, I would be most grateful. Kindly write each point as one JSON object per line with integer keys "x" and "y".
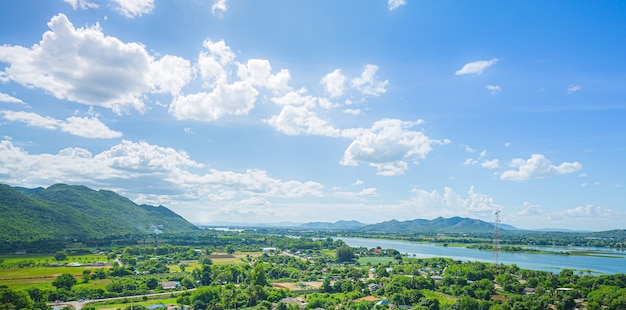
{"x": 62, "y": 211}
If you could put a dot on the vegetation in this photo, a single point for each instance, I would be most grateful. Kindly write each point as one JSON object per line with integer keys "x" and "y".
{"x": 63, "y": 211}
{"x": 265, "y": 268}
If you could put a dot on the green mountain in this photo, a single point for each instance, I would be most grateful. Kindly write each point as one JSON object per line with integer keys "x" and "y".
{"x": 440, "y": 225}
{"x": 77, "y": 211}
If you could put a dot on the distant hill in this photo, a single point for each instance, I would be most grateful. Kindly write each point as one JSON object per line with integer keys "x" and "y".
{"x": 78, "y": 211}
{"x": 440, "y": 224}
{"x": 339, "y": 225}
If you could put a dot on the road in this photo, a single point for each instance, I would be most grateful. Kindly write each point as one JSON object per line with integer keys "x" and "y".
{"x": 79, "y": 305}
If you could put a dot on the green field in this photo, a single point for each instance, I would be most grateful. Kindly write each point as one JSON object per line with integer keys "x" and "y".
{"x": 443, "y": 298}
{"x": 136, "y": 301}
{"x": 49, "y": 259}
{"x": 375, "y": 260}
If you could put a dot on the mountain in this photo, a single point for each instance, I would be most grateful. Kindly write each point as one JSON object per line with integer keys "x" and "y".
{"x": 339, "y": 225}
{"x": 440, "y": 224}
{"x": 78, "y": 211}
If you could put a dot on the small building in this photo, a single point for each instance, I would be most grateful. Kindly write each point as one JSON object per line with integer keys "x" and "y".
{"x": 169, "y": 285}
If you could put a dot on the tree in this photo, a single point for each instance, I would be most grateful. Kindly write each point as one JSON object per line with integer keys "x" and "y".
{"x": 344, "y": 254}
{"x": 230, "y": 249}
{"x": 60, "y": 256}
{"x": 152, "y": 283}
{"x": 258, "y": 276}
{"x": 10, "y": 299}
{"x": 65, "y": 281}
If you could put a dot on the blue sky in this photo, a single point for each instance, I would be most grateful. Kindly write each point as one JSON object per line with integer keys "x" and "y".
{"x": 284, "y": 111}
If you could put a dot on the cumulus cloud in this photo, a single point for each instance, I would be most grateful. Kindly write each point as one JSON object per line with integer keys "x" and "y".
{"x": 223, "y": 96}
{"x": 85, "y": 66}
{"x": 86, "y": 127}
{"x": 258, "y": 72}
{"x": 367, "y": 83}
{"x": 298, "y": 120}
{"x": 476, "y": 67}
{"x": 394, "y": 4}
{"x": 10, "y": 99}
{"x": 449, "y": 203}
{"x": 81, "y": 4}
{"x": 334, "y": 83}
{"x": 153, "y": 171}
{"x": 234, "y": 99}
{"x": 537, "y": 167}
{"x": 491, "y": 164}
{"x": 529, "y": 209}
{"x": 573, "y": 88}
{"x": 133, "y": 8}
{"x": 590, "y": 211}
{"x": 493, "y": 89}
{"x": 219, "y": 6}
{"x": 388, "y": 145}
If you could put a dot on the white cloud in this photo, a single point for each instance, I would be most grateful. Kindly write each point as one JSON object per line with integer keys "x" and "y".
{"x": 232, "y": 99}
{"x": 529, "y": 209}
{"x": 298, "y": 120}
{"x": 334, "y": 83}
{"x": 491, "y": 164}
{"x": 297, "y": 98}
{"x": 468, "y": 149}
{"x": 354, "y": 112}
{"x": 508, "y": 144}
{"x": 146, "y": 171}
{"x": 470, "y": 162}
{"x": 133, "y": 8}
{"x": 258, "y": 72}
{"x": 82, "y": 4}
{"x": 10, "y": 99}
{"x": 219, "y": 6}
{"x": 85, "y": 66}
{"x": 449, "y": 203}
{"x": 537, "y": 167}
{"x": 573, "y": 88}
{"x": 483, "y": 153}
{"x": 388, "y": 145}
{"x": 367, "y": 83}
{"x": 590, "y": 211}
{"x": 170, "y": 74}
{"x": 476, "y": 67}
{"x": 493, "y": 89}
{"x": 358, "y": 182}
{"x": 394, "y": 4}
{"x": 86, "y": 127}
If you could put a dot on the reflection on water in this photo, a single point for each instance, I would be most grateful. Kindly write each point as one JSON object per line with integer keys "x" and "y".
{"x": 609, "y": 261}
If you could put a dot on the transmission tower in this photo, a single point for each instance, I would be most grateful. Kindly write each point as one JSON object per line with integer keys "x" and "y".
{"x": 496, "y": 239}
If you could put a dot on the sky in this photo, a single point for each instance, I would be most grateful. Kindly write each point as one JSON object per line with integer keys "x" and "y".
{"x": 272, "y": 111}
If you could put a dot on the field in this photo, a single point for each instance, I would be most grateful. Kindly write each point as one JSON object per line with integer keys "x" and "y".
{"x": 375, "y": 260}
{"x": 42, "y": 276}
{"x": 136, "y": 301}
{"x": 443, "y": 298}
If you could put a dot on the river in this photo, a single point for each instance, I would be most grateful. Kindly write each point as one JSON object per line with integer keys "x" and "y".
{"x": 546, "y": 262}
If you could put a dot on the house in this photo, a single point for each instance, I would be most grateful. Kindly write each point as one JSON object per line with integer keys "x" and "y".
{"x": 529, "y": 290}
{"x": 74, "y": 264}
{"x": 373, "y": 287}
{"x": 294, "y": 301}
{"x": 168, "y": 285}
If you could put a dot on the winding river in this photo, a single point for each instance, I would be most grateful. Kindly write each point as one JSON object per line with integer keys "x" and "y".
{"x": 613, "y": 262}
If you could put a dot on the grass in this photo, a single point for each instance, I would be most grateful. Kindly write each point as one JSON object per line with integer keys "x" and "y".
{"x": 40, "y": 277}
{"x": 136, "y": 301}
{"x": 443, "y": 298}
{"x": 49, "y": 259}
{"x": 375, "y": 260}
